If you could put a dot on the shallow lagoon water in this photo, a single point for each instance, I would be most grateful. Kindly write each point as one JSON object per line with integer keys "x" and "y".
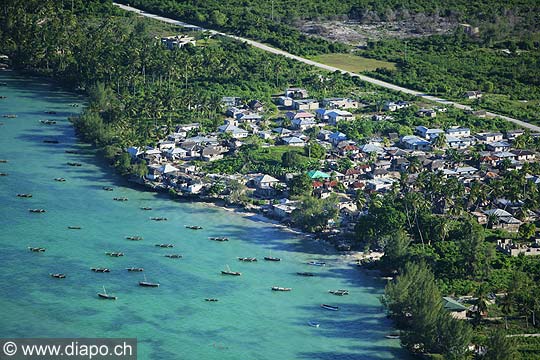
{"x": 173, "y": 321}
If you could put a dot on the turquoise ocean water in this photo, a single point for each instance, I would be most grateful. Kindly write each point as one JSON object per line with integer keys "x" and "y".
{"x": 173, "y": 321}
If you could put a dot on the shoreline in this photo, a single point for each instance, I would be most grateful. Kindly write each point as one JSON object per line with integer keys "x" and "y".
{"x": 325, "y": 247}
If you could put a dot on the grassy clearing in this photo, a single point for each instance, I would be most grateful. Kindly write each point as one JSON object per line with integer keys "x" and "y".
{"x": 352, "y": 62}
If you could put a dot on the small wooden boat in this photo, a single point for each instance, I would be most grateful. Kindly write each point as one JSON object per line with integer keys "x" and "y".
{"x": 134, "y": 238}
{"x": 339, "y": 292}
{"x": 100, "y": 270}
{"x": 50, "y": 112}
{"x": 146, "y": 283}
{"x": 107, "y": 188}
{"x": 316, "y": 263}
{"x": 271, "y": 258}
{"x": 36, "y": 210}
{"x": 9, "y": 116}
{"x": 58, "y": 276}
{"x": 173, "y": 256}
{"x": 51, "y": 141}
{"x": 60, "y": 179}
{"x": 247, "y": 259}
{"x": 3, "y": 174}
{"x": 146, "y": 208}
{"x": 193, "y": 227}
{"x": 314, "y": 324}
{"x": 74, "y": 227}
{"x": 74, "y": 164}
{"x": 3, "y": 161}
{"x": 104, "y": 295}
{"x": 279, "y": 288}
{"x": 392, "y": 336}
{"x": 3, "y": 83}
{"x": 158, "y": 218}
{"x": 71, "y": 152}
{"x": 120, "y": 199}
{"x": 114, "y": 254}
{"x": 229, "y": 272}
{"x": 36, "y": 249}
{"x": 48, "y": 122}
{"x": 211, "y": 299}
{"x": 164, "y": 245}
{"x": 305, "y": 274}
{"x": 24, "y": 195}
{"x": 329, "y": 307}
{"x": 135, "y": 269}
{"x": 74, "y": 105}
{"x": 3, "y": 97}
{"x": 219, "y": 238}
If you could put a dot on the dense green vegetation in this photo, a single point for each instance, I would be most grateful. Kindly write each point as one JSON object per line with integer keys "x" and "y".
{"x": 139, "y": 88}
{"x": 452, "y": 65}
{"x": 425, "y": 230}
{"x": 446, "y": 65}
{"x": 274, "y": 21}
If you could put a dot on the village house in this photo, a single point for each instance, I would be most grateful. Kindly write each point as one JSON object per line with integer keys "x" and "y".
{"x": 305, "y": 104}
{"x": 134, "y": 152}
{"x": 379, "y": 173}
{"x": 212, "y": 153}
{"x": 380, "y": 185}
{"x": 291, "y": 115}
{"x": 348, "y": 149}
{"x": 176, "y": 154}
{"x": 459, "y": 142}
{"x": 340, "y": 103}
{"x": 336, "y": 137}
{"x": 284, "y": 101}
{"x": 324, "y": 135}
{"x": 188, "y": 127}
{"x": 282, "y": 132}
{"x": 336, "y": 116}
{"x": 293, "y": 141}
{"x": 177, "y": 41}
{"x": 524, "y": 155}
{"x": 400, "y": 164}
{"x": 303, "y": 124}
{"x": 372, "y": 148}
{"x": 426, "y": 113}
{"x": 504, "y": 220}
{"x": 235, "y": 111}
{"x": 322, "y": 114}
{"x": 456, "y": 309}
{"x": 511, "y": 135}
{"x": 427, "y": 133}
{"x": 489, "y": 137}
{"x": 508, "y": 247}
{"x": 498, "y": 146}
{"x": 413, "y": 142}
{"x": 256, "y": 105}
{"x": 458, "y": 132}
{"x": 471, "y": 95}
{"x": 381, "y": 117}
{"x": 284, "y": 209}
{"x": 265, "y": 135}
{"x": 265, "y": 185}
{"x": 296, "y": 93}
{"x": 394, "y": 106}
{"x": 248, "y": 117}
{"x": 236, "y": 132}
{"x": 230, "y": 101}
